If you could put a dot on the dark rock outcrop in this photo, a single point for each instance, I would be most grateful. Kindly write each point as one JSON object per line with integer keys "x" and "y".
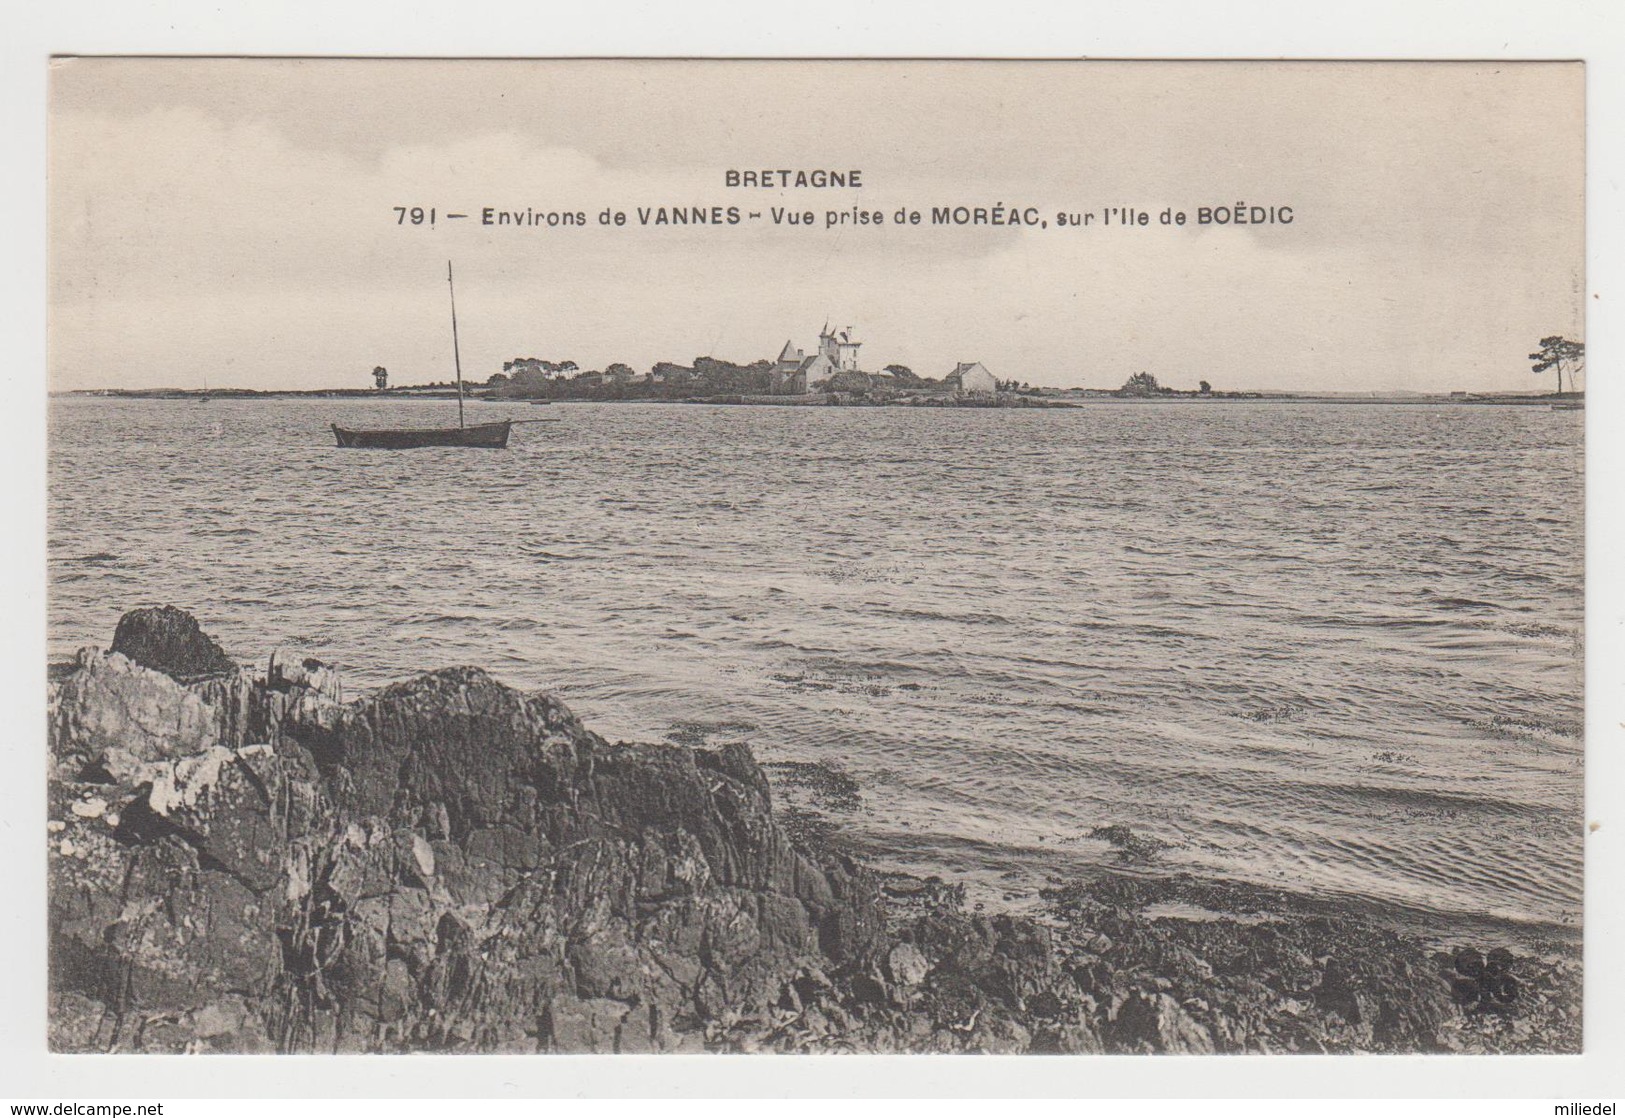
{"x": 169, "y": 640}
{"x": 242, "y": 862}
{"x": 245, "y": 863}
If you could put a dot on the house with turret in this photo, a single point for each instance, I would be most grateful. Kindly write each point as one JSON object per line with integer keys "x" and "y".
{"x": 798, "y": 373}
{"x": 840, "y": 347}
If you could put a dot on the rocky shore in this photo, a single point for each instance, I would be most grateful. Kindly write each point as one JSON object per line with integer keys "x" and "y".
{"x": 242, "y": 861}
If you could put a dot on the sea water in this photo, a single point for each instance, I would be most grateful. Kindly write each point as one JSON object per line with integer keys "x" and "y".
{"x": 1334, "y": 648}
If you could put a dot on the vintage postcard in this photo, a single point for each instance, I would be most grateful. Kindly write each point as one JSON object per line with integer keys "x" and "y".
{"x": 815, "y": 556}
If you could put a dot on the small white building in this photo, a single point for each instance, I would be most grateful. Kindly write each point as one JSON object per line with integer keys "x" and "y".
{"x": 814, "y": 371}
{"x": 971, "y": 379}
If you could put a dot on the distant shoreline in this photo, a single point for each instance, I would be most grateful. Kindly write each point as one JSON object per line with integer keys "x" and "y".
{"x": 1069, "y": 398}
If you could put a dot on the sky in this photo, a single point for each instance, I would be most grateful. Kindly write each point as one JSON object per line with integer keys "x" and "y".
{"x": 233, "y": 222}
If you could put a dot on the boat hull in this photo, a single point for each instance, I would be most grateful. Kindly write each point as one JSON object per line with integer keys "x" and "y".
{"x": 490, "y": 436}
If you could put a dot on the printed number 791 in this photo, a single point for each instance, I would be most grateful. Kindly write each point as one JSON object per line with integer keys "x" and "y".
{"x": 415, "y": 215}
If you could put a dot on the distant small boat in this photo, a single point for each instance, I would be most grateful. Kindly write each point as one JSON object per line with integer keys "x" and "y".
{"x": 493, "y": 436}
{"x": 1570, "y": 405}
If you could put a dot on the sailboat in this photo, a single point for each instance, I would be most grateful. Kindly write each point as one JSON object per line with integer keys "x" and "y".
{"x": 493, "y": 436}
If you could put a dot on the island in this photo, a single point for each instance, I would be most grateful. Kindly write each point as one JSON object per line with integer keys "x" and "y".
{"x": 831, "y": 375}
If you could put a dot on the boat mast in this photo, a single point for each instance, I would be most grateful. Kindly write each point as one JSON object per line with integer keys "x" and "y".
{"x": 455, "y": 355}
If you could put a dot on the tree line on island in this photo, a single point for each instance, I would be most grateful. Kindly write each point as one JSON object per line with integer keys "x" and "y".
{"x": 532, "y": 378}
{"x": 1144, "y": 384}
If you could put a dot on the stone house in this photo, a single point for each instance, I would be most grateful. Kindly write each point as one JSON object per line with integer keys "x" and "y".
{"x": 971, "y": 379}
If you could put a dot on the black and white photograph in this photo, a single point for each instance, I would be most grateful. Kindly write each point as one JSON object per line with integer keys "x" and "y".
{"x": 890, "y": 556}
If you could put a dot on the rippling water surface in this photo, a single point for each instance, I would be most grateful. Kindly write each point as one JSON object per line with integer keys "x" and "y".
{"x": 1335, "y": 648}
